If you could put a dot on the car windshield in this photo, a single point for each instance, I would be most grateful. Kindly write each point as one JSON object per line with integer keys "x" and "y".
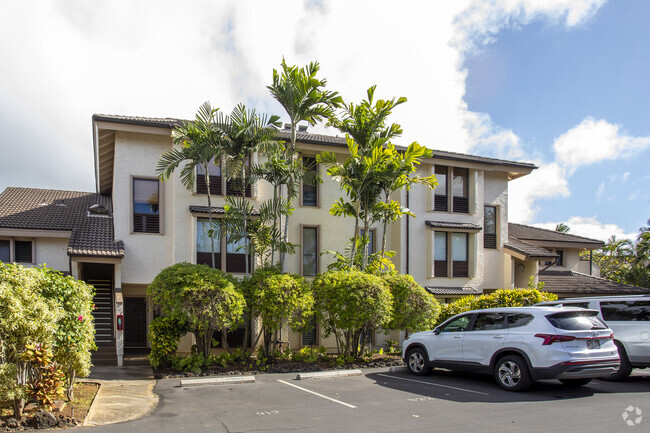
{"x": 576, "y": 320}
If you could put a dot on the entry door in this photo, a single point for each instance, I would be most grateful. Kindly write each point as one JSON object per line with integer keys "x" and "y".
{"x": 135, "y": 322}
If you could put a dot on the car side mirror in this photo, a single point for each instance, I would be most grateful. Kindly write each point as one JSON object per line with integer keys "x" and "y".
{"x": 436, "y": 330}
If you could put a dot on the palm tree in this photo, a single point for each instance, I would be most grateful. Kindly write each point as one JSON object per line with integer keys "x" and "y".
{"x": 302, "y": 96}
{"x": 367, "y": 134}
{"x": 562, "y": 228}
{"x": 198, "y": 142}
{"x": 242, "y": 133}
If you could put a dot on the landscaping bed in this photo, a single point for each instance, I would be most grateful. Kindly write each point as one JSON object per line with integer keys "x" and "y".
{"x": 283, "y": 366}
{"x": 72, "y": 414}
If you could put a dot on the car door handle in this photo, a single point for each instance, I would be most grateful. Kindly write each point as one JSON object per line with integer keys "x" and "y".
{"x": 458, "y": 336}
{"x": 497, "y": 336}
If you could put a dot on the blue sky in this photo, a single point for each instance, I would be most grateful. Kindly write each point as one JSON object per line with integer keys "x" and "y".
{"x": 561, "y": 83}
{"x": 543, "y": 79}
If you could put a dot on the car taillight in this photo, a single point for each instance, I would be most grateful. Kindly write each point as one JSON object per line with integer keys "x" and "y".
{"x": 550, "y": 339}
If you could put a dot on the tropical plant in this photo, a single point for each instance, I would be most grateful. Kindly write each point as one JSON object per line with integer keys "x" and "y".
{"x": 75, "y": 331}
{"x": 26, "y": 317}
{"x": 243, "y": 133}
{"x": 164, "y": 333}
{"x": 562, "y": 228}
{"x": 347, "y": 303}
{"x": 204, "y": 298}
{"x": 197, "y": 146}
{"x": 303, "y": 97}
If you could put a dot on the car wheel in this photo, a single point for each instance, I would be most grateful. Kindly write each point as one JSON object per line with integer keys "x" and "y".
{"x": 625, "y": 369}
{"x": 511, "y": 373}
{"x": 417, "y": 361}
{"x": 575, "y": 382}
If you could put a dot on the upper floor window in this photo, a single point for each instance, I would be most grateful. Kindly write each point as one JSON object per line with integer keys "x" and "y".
{"x": 559, "y": 260}
{"x": 490, "y": 227}
{"x": 214, "y": 170}
{"x": 22, "y": 251}
{"x": 5, "y": 255}
{"x": 457, "y": 244}
{"x": 457, "y": 190}
{"x": 310, "y": 250}
{"x": 146, "y": 206}
{"x": 234, "y": 185}
{"x": 309, "y": 186}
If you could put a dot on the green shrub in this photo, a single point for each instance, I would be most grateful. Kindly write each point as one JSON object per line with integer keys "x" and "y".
{"x": 500, "y": 298}
{"x": 204, "y": 298}
{"x": 277, "y": 299}
{"x": 164, "y": 333}
{"x": 414, "y": 309}
{"x": 347, "y": 302}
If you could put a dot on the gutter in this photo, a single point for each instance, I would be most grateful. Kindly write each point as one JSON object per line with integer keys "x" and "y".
{"x": 408, "y": 220}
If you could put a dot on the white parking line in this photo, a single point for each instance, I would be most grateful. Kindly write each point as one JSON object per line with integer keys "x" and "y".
{"x": 319, "y": 395}
{"x": 434, "y": 384}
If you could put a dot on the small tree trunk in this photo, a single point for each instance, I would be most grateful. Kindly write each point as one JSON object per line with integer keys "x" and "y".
{"x": 19, "y": 403}
{"x": 356, "y": 233}
{"x": 243, "y": 195}
{"x": 224, "y": 339}
{"x": 72, "y": 376}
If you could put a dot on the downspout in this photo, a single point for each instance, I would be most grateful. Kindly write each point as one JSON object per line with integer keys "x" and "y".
{"x": 407, "y": 233}
{"x": 591, "y": 263}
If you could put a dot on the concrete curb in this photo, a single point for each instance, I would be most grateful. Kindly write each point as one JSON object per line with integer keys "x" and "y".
{"x": 398, "y": 370}
{"x": 328, "y": 374}
{"x": 218, "y": 380}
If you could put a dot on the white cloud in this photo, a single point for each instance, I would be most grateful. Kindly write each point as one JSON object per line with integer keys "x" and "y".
{"x": 600, "y": 190}
{"x": 590, "y": 227}
{"x": 593, "y": 141}
{"x": 548, "y": 181}
{"x": 65, "y": 60}
{"x": 482, "y": 20}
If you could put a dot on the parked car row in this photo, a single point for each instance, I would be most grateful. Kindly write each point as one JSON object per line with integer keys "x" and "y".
{"x": 519, "y": 345}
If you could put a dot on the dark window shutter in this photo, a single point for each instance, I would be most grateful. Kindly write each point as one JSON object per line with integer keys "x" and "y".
{"x": 489, "y": 240}
{"x": 206, "y": 259}
{"x": 440, "y": 268}
{"x": 237, "y": 263}
{"x": 23, "y": 251}
{"x": 309, "y": 336}
{"x": 461, "y": 204}
{"x": 460, "y": 269}
{"x": 215, "y": 185}
{"x": 440, "y": 203}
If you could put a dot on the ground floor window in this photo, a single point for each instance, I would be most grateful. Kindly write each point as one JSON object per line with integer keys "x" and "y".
{"x": 16, "y": 251}
{"x": 233, "y": 261}
{"x": 451, "y": 255}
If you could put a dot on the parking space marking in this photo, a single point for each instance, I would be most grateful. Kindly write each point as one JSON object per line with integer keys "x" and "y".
{"x": 434, "y": 384}
{"x": 317, "y": 394}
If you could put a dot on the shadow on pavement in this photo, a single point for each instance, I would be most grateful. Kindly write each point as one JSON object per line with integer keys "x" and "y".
{"x": 466, "y": 387}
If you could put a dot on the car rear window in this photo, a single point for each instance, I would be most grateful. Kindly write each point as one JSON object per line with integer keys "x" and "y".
{"x": 576, "y": 320}
{"x": 626, "y": 311}
{"x": 517, "y": 320}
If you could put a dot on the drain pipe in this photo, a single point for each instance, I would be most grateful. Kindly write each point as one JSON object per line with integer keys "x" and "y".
{"x": 407, "y": 232}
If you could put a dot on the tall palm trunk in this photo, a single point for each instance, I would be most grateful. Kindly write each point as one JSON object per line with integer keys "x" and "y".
{"x": 242, "y": 178}
{"x": 207, "y": 183}
{"x": 290, "y": 157}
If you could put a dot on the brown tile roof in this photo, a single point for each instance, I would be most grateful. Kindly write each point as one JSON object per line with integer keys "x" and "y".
{"x": 530, "y": 251}
{"x": 308, "y": 137}
{"x": 524, "y": 232}
{"x": 450, "y": 225}
{"x": 463, "y": 291}
{"x": 569, "y": 282}
{"x": 46, "y": 209}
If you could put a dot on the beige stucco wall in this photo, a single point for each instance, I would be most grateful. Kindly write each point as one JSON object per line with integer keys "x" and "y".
{"x": 53, "y": 252}
{"x": 496, "y": 194}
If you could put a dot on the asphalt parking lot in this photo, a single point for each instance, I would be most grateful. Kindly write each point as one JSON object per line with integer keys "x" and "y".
{"x": 381, "y": 401}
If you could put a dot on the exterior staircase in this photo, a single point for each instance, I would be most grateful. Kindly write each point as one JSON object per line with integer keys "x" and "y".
{"x": 104, "y": 315}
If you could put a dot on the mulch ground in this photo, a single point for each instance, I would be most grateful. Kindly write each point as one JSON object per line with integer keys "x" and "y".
{"x": 283, "y": 366}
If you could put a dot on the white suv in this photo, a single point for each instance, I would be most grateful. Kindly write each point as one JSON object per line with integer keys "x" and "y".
{"x": 518, "y": 345}
{"x": 629, "y": 318}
